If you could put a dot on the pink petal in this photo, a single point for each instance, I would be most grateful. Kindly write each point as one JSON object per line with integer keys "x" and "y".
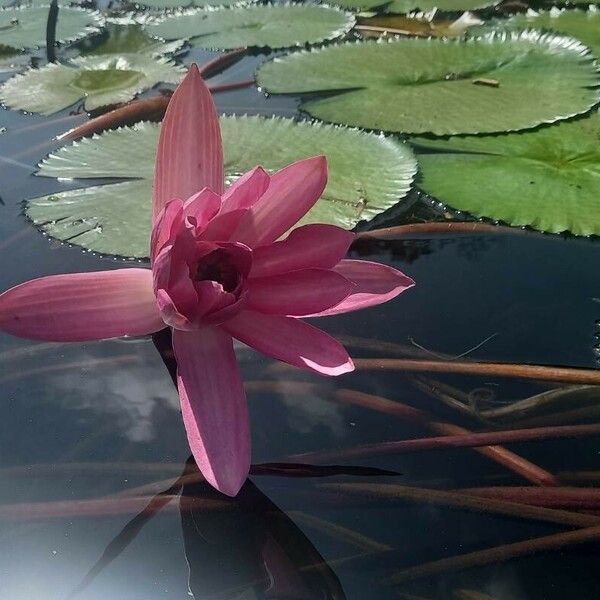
{"x": 291, "y": 194}
{"x": 167, "y": 223}
{"x": 202, "y": 207}
{"x": 82, "y": 306}
{"x": 189, "y": 156}
{"x": 214, "y": 406}
{"x": 245, "y": 191}
{"x": 309, "y": 246}
{"x": 297, "y": 293}
{"x": 375, "y": 284}
{"x": 222, "y": 226}
{"x": 292, "y": 341}
{"x": 169, "y": 313}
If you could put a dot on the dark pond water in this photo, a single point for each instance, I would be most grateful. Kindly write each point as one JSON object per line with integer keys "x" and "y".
{"x": 81, "y": 425}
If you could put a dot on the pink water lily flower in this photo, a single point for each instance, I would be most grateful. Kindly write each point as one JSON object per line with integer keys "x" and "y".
{"x": 219, "y": 271}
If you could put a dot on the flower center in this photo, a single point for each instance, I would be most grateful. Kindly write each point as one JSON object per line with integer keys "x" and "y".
{"x": 219, "y": 266}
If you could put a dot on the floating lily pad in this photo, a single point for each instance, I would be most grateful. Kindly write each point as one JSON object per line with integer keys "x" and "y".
{"x": 492, "y": 83}
{"x": 128, "y": 39}
{"x": 406, "y": 6}
{"x": 548, "y": 179}
{"x": 164, "y": 4}
{"x": 98, "y": 80}
{"x": 25, "y": 27}
{"x": 368, "y": 174}
{"x": 583, "y": 25}
{"x": 273, "y": 26}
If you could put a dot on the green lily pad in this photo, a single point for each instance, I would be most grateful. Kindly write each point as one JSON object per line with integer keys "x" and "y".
{"x": 548, "y": 179}
{"x": 406, "y": 6}
{"x": 164, "y": 4}
{"x": 580, "y": 24}
{"x": 492, "y": 83}
{"x": 128, "y": 39}
{"x": 273, "y": 26}
{"x": 98, "y": 80}
{"x": 368, "y": 174}
{"x": 25, "y": 27}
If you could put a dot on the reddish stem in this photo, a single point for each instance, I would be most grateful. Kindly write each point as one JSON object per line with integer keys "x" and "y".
{"x": 502, "y": 456}
{"x": 388, "y": 233}
{"x": 227, "y": 87}
{"x": 394, "y": 492}
{"x": 569, "y": 497}
{"x": 537, "y": 372}
{"x": 219, "y": 62}
{"x": 510, "y": 460}
{"x": 471, "y": 440}
{"x": 150, "y": 109}
{"x": 498, "y": 554}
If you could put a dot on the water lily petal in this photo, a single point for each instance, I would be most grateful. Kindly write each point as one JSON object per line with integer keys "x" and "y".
{"x": 292, "y": 192}
{"x": 202, "y": 207}
{"x": 245, "y": 191}
{"x": 298, "y": 293}
{"x": 167, "y": 223}
{"x": 189, "y": 156}
{"x": 214, "y": 406}
{"x": 375, "y": 284}
{"x": 292, "y": 341}
{"x": 82, "y": 306}
{"x": 222, "y": 226}
{"x": 309, "y": 246}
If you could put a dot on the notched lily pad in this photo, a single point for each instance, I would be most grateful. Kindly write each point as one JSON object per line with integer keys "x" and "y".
{"x": 438, "y": 86}
{"x": 25, "y": 26}
{"x": 98, "y": 80}
{"x": 272, "y": 26}
{"x": 548, "y": 179}
{"x": 164, "y": 4}
{"x": 368, "y": 174}
{"x": 581, "y": 24}
{"x": 406, "y": 6}
{"x": 128, "y": 39}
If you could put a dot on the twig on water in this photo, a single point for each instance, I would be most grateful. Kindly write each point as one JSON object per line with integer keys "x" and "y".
{"x": 471, "y": 440}
{"x": 447, "y": 394}
{"x": 549, "y": 397}
{"x": 51, "y": 32}
{"x": 447, "y": 357}
{"x": 520, "y": 371}
{"x": 498, "y": 554}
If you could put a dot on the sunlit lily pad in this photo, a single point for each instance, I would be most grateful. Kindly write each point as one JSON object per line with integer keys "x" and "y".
{"x": 368, "y": 174}
{"x": 548, "y": 179}
{"x": 25, "y": 27}
{"x": 163, "y": 4}
{"x": 406, "y": 6}
{"x": 581, "y": 24}
{"x": 128, "y": 39}
{"x": 273, "y": 26}
{"x": 98, "y": 80}
{"x": 492, "y": 83}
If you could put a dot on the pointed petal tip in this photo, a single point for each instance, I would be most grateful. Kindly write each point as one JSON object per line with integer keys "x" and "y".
{"x": 336, "y": 371}
{"x": 229, "y": 483}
